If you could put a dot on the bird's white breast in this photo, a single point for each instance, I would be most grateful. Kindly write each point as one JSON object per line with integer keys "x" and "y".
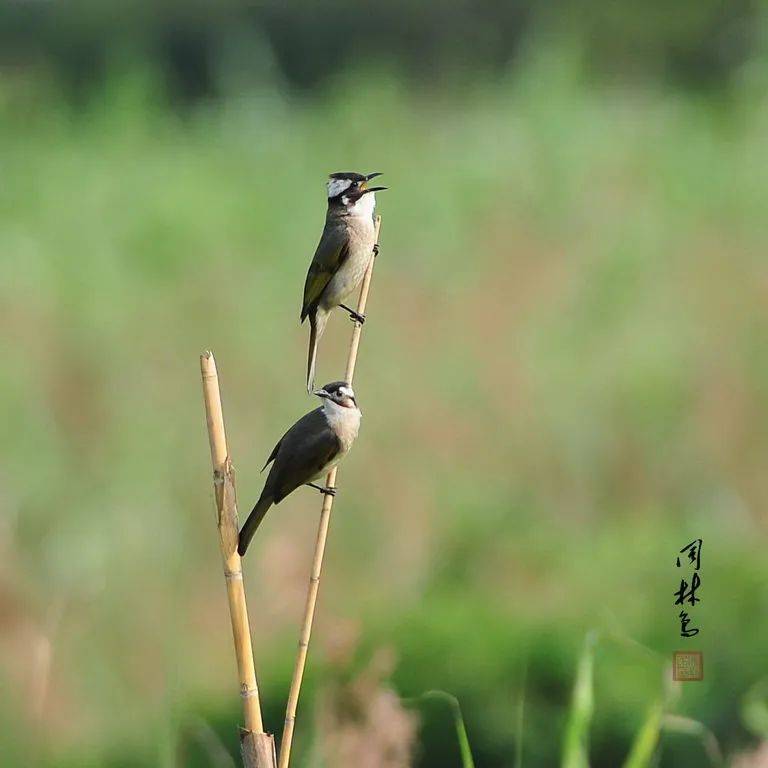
{"x": 364, "y": 206}
{"x": 345, "y": 422}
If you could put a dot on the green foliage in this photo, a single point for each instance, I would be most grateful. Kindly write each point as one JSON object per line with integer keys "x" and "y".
{"x": 561, "y": 379}
{"x": 212, "y": 50}
{"x": 644, "y": 745}
{"x": 576, "y": 742}
{"x": 755, "y": 709}
{"x": 458, "y": 722}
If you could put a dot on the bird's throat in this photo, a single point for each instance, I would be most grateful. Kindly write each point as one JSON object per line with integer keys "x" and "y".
{"x": 345, "y": 422}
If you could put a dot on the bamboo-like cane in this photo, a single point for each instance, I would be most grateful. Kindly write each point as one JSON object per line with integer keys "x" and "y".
{"x": 322, "y": 535}
{"x": 257, "y": 748}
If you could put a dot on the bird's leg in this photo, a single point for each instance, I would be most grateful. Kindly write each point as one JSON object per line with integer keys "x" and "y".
{"x": 376, "y": 249}
{"x": 323, "y": 489}
{"x": 356, "y": 316}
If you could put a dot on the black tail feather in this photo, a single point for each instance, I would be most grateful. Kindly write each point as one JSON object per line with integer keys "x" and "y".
{"x": 253, "y": 522}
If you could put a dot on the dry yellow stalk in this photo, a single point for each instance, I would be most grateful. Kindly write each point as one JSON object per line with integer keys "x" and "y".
{"x": 322, "y": 535}
{"x": 257, "y": 747}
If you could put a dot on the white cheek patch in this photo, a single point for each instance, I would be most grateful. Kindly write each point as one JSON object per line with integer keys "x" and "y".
{"x": 337, "y": 186}
{"x": 346, "y": 391}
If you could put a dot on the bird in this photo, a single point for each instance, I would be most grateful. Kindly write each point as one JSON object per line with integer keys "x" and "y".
{"x": 342, "y": 256}
{"x": 318, "y": 441}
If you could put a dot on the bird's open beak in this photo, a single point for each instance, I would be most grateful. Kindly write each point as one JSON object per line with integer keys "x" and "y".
{"x": 364, "y": 186}
{"x": 321, "y": 393}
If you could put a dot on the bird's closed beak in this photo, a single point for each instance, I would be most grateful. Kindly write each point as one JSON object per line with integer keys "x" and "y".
{"x": 321, "y": 393}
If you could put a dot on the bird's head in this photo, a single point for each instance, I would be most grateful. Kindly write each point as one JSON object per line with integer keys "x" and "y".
{"x": 349, "y": 193}
{"x": 339, "y": 393}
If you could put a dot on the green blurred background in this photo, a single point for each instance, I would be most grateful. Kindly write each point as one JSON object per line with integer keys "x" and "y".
{"x": 564, "y": 375}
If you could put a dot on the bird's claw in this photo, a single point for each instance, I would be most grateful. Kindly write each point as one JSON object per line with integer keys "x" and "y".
{"x": 328, "y": 491}
{"x": 355, "y": 317}
{"x": 376, "y": 249}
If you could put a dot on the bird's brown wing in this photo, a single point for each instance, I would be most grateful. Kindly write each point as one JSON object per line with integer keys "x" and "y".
{"x": 307, "y": 447}
{"x": 332, "y": 251}
{"x": 273, "y": 454}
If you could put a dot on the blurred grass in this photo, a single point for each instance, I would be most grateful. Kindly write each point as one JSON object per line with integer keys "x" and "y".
{"x": 564, "y": 372}
{"x": 458, "y": 722}
{"x": 644, "y": 745}
{"x": 576, "y": 743}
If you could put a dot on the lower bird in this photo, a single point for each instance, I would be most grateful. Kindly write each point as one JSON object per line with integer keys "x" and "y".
{"x": 317, "y": 442}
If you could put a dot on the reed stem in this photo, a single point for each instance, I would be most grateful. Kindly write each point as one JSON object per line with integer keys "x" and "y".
{"x": 322, "y": 535}
{"x": 257, "y": 748}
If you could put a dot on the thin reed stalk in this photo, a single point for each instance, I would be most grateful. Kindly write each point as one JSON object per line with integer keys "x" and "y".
{"x": 257, "y": 748}
{"x": 322, "y": 536}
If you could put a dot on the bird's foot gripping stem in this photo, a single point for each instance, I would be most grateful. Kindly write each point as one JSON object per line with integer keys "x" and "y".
{"x": 376, "y": 249}
{"x": 325, "y": 490}
{"x": 354, "y": 316}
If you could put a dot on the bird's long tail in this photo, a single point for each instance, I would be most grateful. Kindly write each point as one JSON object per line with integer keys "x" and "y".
{"x": 253, "y": 522}
{"x": 317, "y": 322}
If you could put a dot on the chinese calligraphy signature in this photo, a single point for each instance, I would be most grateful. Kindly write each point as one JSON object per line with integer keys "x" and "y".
{"x": 686, "y": 595}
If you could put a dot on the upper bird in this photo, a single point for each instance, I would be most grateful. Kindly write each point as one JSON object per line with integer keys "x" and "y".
{"x": 318, "y": 441}
{"x": 342, "y": 256}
